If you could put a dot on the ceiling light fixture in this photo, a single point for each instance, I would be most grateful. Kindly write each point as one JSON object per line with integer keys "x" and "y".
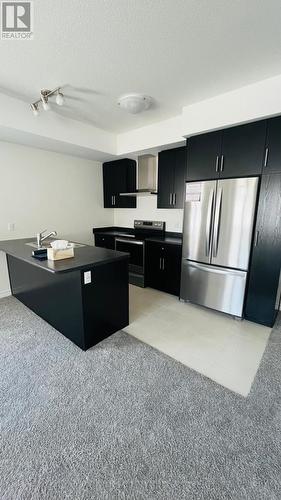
{"x": 134, "y": 103}
{"x": 44, "y": 100}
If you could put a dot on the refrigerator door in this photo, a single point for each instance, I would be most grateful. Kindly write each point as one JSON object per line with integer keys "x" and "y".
{"x": 198, "y": 220}
{"x": 233, "y": 222}
{"x": 213, "y": 287}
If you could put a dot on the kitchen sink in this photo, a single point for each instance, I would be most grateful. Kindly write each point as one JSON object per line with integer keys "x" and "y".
{"x": 46, "y": 244}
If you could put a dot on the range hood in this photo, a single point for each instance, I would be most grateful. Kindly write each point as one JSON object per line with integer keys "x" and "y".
{"x": 146, "y": 176}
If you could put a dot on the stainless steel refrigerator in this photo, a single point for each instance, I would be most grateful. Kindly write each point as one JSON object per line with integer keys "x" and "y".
{"x": 217, "y": 235}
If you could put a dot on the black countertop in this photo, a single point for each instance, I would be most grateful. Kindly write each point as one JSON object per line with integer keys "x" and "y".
{"x": 84, "y": 257}
{"x": 169, "y": 237}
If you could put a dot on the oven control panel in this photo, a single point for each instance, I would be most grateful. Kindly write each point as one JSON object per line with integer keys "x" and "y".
{"x": 148, "y": 224}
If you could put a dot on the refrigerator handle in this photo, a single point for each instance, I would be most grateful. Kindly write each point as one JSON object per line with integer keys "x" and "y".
{"x": 217, "y": 222}
{"x": 209, "y": 223}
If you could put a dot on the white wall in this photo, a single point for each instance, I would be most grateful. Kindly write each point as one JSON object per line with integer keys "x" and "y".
{"x": 147, "y": 210}
{"x": 45, "y": 190}
{"x": 249, "y": 103}
{"x": 166, "y": 132}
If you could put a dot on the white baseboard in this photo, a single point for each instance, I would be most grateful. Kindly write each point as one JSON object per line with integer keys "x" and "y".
{"x": 4, "y": 293}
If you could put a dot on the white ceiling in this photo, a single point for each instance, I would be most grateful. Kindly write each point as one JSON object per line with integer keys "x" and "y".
{"x": 177, "y": 51}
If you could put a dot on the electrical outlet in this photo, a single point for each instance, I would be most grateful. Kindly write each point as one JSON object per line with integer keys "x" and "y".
{"x": 11, "y": 226}
{"x": 87, "y": 277}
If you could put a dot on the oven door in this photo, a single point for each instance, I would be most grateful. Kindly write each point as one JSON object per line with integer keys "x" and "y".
{"x": 136, "y": 250}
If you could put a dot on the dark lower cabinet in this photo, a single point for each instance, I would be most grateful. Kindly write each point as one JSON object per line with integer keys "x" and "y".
{"x": 84, "y": 313}
{"x": 263, "y": 298}
{"x": 105, "y": 241}
{"x": 163, "y": 266}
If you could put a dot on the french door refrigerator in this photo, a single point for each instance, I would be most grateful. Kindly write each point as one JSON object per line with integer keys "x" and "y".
{"x": 217, "y": 235}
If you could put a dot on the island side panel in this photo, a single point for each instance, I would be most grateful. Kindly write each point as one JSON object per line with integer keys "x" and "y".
{"x": 55, "y": 297}
{"x": 105, "y": 301}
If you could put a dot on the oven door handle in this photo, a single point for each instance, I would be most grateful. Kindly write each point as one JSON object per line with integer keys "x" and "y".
{"x": 131, "y": 242}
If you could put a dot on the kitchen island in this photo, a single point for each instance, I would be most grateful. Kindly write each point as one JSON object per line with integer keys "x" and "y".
{"x": 85, "y": 297}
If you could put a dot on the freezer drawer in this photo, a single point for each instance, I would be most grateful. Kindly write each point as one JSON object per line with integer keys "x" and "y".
{"x": 214, "y": 287}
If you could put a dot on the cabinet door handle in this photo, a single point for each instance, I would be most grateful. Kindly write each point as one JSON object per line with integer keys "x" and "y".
{"x": 160, "y": 264}
{"x": 217, "y": 163}
{"x": 163, "y": 264}
{"x": 266, "y": 157}
{"x": 171, "y": 198}
{"x": 175, "y": 198}
{"x": 257, "y": 238}
{"x": 112, "y": 201}
{"x": 222, "y": 163}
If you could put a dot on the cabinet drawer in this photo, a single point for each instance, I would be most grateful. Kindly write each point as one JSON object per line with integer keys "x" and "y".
{"x": 105, "y": 241}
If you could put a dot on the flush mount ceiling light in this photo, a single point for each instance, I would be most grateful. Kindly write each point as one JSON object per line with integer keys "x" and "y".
{"x": 134, "y": 103}
{"x": 44, "y": 100}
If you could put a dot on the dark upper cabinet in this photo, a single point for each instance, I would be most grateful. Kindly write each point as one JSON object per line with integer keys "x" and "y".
{"x": 119, "y": 176}
{"x": 163, "y": 266}
{"x": 180, "y": 177}
{"x": 243, "y": 150}
{"x": 203, "y": 156}
{"x": 165, "y": 179}
{"x": 171, "y": 178}
{"x": 272, "y": 156}
{"x": 233, "y": 152}
{"x": 263, "y": 297}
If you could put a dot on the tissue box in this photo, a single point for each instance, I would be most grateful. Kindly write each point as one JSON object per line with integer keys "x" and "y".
{"x": 53, "y": 254}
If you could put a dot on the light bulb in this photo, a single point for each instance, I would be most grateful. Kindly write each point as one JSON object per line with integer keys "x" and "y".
{"x": 60, "y": 99}
{"x": 35, "y": 109}
{"x": 45, "y": 104}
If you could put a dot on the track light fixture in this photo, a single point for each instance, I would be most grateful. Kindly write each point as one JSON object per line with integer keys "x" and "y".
{"x": 44, "y": 100}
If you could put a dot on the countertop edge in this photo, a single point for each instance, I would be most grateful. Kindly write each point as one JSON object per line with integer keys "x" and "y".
{"x": 77, "y": 267}
{"x": 168, "y": 237}
{"x": 63, "y": 271}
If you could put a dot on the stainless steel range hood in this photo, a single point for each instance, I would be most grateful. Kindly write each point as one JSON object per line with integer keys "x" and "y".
{"x": 146, "y": 176}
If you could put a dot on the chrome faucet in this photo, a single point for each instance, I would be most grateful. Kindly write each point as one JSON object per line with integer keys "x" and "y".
{"x": 40, "y": 237}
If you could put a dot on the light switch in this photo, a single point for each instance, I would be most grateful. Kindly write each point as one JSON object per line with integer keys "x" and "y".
{"x": 11, "y": 226}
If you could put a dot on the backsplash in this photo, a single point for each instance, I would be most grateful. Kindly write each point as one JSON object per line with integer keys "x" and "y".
{"x": 147, "y": 210}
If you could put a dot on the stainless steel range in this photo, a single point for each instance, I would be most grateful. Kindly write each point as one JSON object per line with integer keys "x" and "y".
{"x": 134, "y": 244}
